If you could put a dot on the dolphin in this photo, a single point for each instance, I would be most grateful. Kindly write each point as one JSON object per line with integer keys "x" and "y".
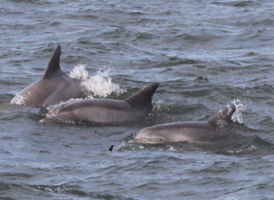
{"x": 54, "y": 87}
{"x": 192, "y": 132}
{"x": 105, "y": 111}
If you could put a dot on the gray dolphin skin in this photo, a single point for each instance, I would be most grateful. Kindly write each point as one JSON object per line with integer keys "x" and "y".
{"x": 105, "y": 111}
{"x": 54, "y": 87}
{"x": 192, "y": 132}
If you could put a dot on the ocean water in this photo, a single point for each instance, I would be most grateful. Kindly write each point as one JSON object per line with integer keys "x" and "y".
{"x": 206, "y": 54}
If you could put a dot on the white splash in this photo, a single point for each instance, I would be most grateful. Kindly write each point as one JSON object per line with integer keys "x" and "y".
{"x": 99, "y": 85}
{"x": 79, "y": 72}
{"x": 171, "y": 148}
{"x": 158, "y": 105}
{"x": 238, "y": 114}
{"x": 249, "y": 148}
{"x": 18, "y": 100}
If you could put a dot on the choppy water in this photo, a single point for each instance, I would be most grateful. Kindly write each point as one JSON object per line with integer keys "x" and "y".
{"x": 134, "y": 43}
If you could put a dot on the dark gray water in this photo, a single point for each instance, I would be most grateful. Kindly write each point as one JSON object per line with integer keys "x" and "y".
{"x": 172, "y": 42}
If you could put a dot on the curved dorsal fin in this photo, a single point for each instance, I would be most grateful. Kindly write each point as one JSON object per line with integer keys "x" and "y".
{"x": 54, "y": 63}
{"x": 143, "y": 97}
{"x": 223, "y": 117}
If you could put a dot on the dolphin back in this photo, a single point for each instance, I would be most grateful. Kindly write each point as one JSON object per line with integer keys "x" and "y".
{"x": 143, "y": 97}
{"x": 55, "y": 86}
{"x": 54, "y": 63}
{"x": 223, "y": 117}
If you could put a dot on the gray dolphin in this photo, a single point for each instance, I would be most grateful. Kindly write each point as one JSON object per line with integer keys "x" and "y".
{"x": 192, "y": 132}
{"x": 105, "y": 111}
{"x": 54, "y": 87}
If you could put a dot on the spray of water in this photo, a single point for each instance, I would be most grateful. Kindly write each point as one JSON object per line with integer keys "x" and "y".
{"x": 18, "y": 100}
{"x": 158, "y": 105}
{"x": 99, "y": 85}
{"x": 238, "y": 114}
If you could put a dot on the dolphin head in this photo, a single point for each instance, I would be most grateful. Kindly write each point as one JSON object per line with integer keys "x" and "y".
{"x": 148, "y": 139}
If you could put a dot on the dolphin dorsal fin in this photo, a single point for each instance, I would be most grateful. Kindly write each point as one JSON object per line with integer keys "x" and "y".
{"x": 223, "y": 117}
{"x": 54, "y": 63}
{"x": 144, "y": 96}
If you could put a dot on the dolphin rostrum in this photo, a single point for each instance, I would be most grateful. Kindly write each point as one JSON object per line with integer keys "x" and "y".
{"x": 54, "y": 87}
{"x": 216, "y": 127}
{"x": 105, "y": 111}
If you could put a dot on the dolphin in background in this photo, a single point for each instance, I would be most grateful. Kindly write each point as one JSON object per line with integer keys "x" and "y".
{"x": 54, "y": 87}
{"x": 192, "y": 132}
{"x": 105, "y": 111}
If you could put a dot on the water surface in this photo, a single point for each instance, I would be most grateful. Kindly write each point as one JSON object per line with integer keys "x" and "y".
{"x": 228, "y": 42}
